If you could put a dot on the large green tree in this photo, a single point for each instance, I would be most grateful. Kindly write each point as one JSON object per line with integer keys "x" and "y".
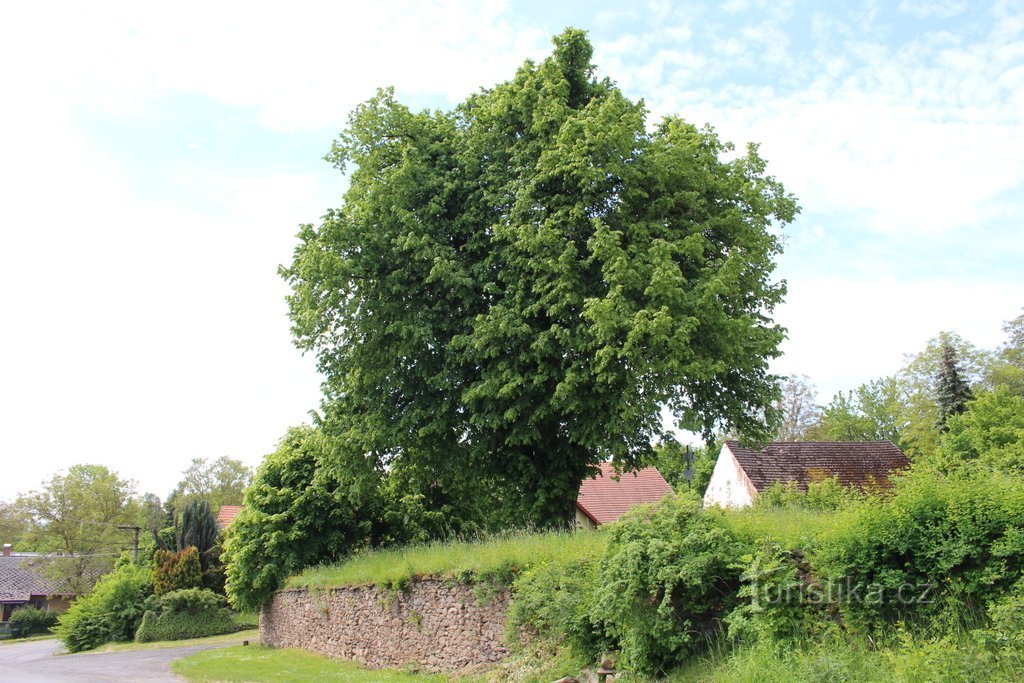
{"x": 77, "y": 515}
{"x": 519, "y": 287}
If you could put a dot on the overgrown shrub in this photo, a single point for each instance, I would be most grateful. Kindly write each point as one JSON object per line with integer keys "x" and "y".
{"x": 941, "y": 545}
{"x": 780, "y": 598}
{"x": 28, "y": 620}
{"x": 827, "y": 494}
{"x": 176, "y": 571}
{"x": 111, "y": 612}
{"x": 551, "y": 605}
{"x": 188, "y": 613}
{"x": 669, "y": 574}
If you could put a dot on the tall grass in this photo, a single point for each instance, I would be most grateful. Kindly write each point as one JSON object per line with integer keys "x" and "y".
{"x": 788, "y": 526}
{"x": 504, "y": 554}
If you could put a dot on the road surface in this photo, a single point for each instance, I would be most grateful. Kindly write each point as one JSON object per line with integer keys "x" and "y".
{"x": 37, "y": 661}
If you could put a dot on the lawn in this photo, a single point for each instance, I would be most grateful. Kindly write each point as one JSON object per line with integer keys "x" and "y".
{"x": 237, "y": 637}
{"x": 452, "y": 559}
{"x": 256, "y": 664}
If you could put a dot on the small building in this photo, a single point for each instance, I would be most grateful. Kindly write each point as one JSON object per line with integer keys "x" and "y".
{"x": 226, "y": 515}
{"x": 741, "y": 474}
{"x": 604, "y": 498}
{"x": 22, "y": 582}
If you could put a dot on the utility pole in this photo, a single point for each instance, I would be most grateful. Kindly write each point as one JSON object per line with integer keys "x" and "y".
{"x": 135, "y": 540}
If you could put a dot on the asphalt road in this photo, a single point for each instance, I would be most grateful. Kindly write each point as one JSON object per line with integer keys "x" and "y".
{"x": 37, "y": 661}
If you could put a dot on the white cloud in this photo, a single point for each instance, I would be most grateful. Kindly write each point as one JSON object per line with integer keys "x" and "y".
{"x": 303, "y": 67}
{"x": 850, "y": 329}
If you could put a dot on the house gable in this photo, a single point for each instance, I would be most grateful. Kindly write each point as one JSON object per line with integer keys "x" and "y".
{"x": 602, "y": 499}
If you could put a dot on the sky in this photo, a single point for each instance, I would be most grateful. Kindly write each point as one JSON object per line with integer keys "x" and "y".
{"x": 156, "y": 162}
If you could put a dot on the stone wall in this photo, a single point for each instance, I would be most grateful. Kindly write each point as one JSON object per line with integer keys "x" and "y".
{"x": 432, "y": 625}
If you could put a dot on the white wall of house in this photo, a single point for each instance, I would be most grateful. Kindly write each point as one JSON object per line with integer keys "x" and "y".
{"x": 728, "y": 487}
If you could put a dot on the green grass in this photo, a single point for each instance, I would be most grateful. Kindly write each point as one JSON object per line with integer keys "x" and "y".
{"x": 11, "y": 641}
{"x": 237, "y": 637}
{"x": 792, "y": 527}
{"x": 256, "y": 664}
{"x": 495, "y": 556}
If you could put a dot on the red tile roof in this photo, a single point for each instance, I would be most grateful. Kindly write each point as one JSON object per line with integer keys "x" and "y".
{"x": 865, "y": 464}
{"x": 604, "y": 500}
{"x": 227, "y": 514}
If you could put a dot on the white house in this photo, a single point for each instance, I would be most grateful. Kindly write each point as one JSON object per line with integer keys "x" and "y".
{"x": 741, "y": 474}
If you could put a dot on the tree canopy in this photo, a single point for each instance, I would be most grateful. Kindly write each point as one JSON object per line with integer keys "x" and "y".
{"x": 518, "y": 288}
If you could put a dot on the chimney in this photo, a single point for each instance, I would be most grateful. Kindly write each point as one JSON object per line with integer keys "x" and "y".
{"x": 7, "y": 549}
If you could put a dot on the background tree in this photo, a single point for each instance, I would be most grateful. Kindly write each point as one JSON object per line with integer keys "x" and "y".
{"x": 990, "y": 431}
{"x": 798, "y": 406}
{"x": 221, "y": 482}
{"x": 1008, "y": 368}
{"x": 874, "y": 411}
{"x": 518, "y": 288}
{"x": 952, "y": 391}
{"x": 78, "y": 514}
{"x": 686, "y": 468}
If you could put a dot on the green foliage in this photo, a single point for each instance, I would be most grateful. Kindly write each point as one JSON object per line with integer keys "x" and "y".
{"x": 181, "y": 614}
{"x": 518, "y": 288}
{"x": 780, "y": 598}
{"x": 111, "y": 612}
{"x": 77, "y": 514}
{"x": 990, "y": 431}
{"x": 940, "y": 546}
{"x": 952, "y": 392}
{"x": 827, "y": 494}
{"x": 552, "y": 603}
{"x": 669, "y": 574}
{"x": 221, "y": 482}
{"x": 875, "y": 411}
{"x": 175, "y": 571}
{"x": 460, "y": 560}
{"x": 28, "y": 620}
{"x": 298, "y": 512}
{"x": 686, "y": 469}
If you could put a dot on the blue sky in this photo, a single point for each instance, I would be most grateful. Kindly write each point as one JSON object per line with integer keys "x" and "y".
{"x": 156, "y": 162}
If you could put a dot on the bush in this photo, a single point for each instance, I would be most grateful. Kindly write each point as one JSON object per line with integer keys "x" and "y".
{"x": 111, "y": 612}
{"x": 824, "y": 495}
{"x": 189, "y": 613}
{"x": 942, "y": 545}
{"x": 176, "y": 571}
{"x": 28, "y": 620}
{"x": 782, "y": 599}
{"x": 551, "y": 605}
{"x": 669, "y": 574}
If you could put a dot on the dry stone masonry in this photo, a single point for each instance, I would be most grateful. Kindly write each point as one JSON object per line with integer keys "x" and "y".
{"x": 432, "y": 625}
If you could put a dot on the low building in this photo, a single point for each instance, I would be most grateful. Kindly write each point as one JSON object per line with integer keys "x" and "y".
{"x": 23, "y": 582}
{"x": 741, "y": 474}
{"x": 226, "y": 515}
{"x": 604, "y": 498}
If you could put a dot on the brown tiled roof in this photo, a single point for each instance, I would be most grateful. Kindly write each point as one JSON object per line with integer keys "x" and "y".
{"x": 865, "y": 464}
{"x": 21, "y": 578}
{"x": 604, "y": 500}
{"x": 227, "y": 514}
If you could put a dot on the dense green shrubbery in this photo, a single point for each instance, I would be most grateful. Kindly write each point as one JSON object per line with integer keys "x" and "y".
{"x": 188, "y": 613}
{"x": 28, "y": 620}
{"x": 111, "y": 612}
{"x": 940, "y": 544}
{"x": 669, "y": 574}
{"x": 174, "y": 571}
{"x": 821, "y": 496}
{"x": 553, "y": 605}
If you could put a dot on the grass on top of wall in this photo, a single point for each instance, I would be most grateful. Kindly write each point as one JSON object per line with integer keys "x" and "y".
{"x": 495, "y": 559}
{"x": 789, "y": 526}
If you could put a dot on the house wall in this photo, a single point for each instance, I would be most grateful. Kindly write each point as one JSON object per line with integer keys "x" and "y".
{"x": 583, "y": 522}
{"x": 728, "y": 487}
{"x": 435, "y": 625}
